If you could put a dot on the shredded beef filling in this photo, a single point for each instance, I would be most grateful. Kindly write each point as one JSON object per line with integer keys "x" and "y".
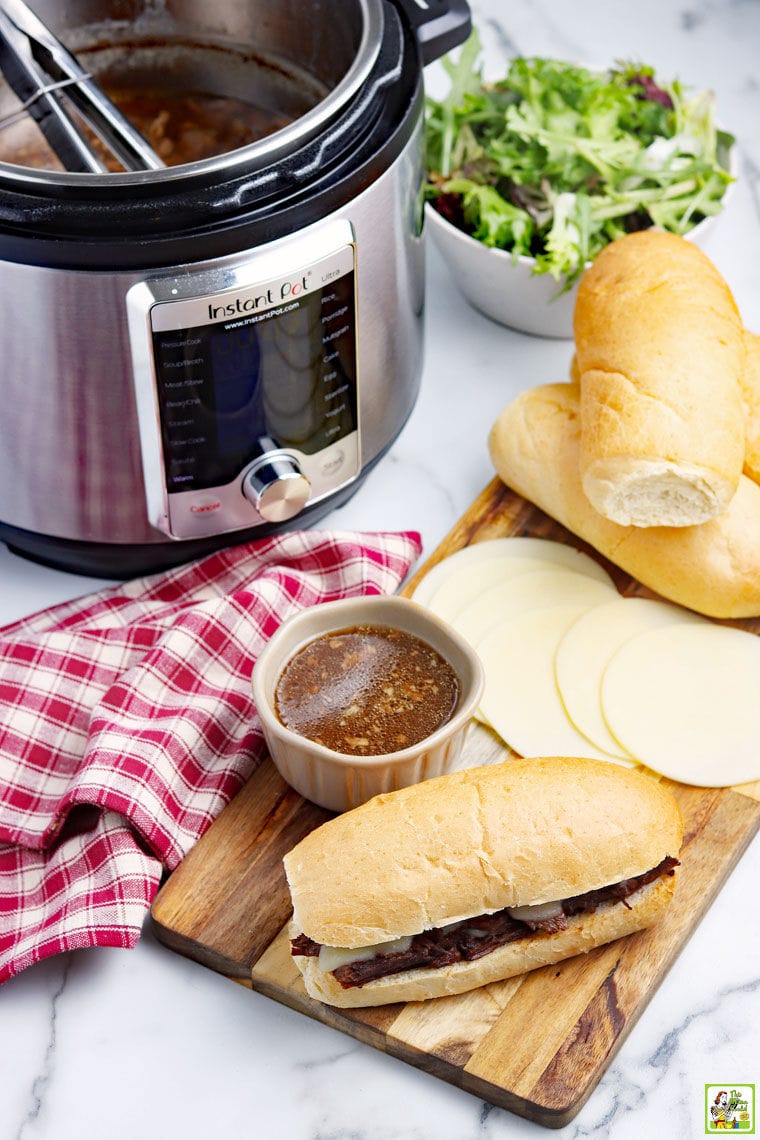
{"x": 475, "y": 937}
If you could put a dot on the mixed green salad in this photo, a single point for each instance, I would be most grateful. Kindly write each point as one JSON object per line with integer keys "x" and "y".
{"x": 554, "y": 160}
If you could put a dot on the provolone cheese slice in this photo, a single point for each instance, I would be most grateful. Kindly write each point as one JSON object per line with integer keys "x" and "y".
{"x": 543, "y": 549}
{"x": 537, "y": 590}
{"x": 521, "y": 700}
{"x": 683, "y": 700}
{"x": 467, "y": 583}
{"x": 331, "y": 957}
{"x": 585, "y": 650}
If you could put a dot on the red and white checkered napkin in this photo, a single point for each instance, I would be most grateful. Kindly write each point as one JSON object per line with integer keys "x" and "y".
{"x": 127, "y": 723}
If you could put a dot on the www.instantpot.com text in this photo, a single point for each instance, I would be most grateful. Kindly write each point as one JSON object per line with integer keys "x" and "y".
{"x": 262, "y": 316}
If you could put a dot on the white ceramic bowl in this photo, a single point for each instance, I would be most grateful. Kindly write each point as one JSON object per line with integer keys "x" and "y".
{"x": 509, "y": 291}
{"x": 332, "y": 779}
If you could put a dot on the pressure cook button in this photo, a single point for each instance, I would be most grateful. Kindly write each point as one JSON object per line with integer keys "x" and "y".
{"x": 277, "y": 489}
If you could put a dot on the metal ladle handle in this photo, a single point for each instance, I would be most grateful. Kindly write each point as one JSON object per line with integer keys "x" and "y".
{"x": 26, "y": 46}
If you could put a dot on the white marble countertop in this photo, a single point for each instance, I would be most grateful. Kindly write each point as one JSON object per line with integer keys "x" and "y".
{"x": 143, "y": 1042}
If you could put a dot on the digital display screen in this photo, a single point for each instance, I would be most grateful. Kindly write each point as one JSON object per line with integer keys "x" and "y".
{"x": 285, "y": 377}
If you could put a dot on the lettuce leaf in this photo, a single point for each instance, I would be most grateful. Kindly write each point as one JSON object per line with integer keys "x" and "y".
{"x": 554, "y": 160}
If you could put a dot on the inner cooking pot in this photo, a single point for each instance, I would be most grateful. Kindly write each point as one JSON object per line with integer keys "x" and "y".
{"x": 223, "y": 347}
{"x": 292, "y": 66}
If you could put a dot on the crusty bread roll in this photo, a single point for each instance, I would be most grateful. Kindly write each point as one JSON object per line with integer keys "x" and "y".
{"x": 750, "y": 386}
{"x": 713, "y": 568}
{"x": 472, "y": 843}
{"x": 660, "y": 351}
{"x": 750, "y": 390}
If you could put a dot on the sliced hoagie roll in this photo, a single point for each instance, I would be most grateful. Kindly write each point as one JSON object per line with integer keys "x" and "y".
{"x": 479, "y": 875}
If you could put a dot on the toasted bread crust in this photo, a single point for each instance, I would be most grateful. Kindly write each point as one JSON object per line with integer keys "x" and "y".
{"x": 713, "y": 568}
{"x": 750, "y": 385}
{"x": 660, "y": 354}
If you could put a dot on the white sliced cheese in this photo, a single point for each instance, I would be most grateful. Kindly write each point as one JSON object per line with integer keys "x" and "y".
{"x": 537, "y": 590}
{"x": 330, "y": 957}
{"x": 684, "y": 700}
{"x": 536, "y": 913}
{"x": 466, "y": 583}
{"x": 521, "y": 699}
{"x": 543, "y": 549}
{"x": 587, "y": 647}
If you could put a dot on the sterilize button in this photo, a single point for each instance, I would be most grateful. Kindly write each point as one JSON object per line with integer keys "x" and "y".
{"x": 277, "y": 489}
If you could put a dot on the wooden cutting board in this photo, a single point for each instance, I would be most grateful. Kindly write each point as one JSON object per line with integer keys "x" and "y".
{"x": 227, "y": 906}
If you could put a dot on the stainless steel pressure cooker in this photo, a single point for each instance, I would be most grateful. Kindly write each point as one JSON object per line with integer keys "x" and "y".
{"x": 207, "y": 352}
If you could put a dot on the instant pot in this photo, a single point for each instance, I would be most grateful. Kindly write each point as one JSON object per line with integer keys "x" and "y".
{"x": 205, "y": 353}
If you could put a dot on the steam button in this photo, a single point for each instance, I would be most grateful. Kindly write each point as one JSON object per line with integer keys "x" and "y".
{"x": 276, "y": 488}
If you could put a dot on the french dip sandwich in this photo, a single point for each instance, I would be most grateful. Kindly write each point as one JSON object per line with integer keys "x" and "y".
{"x": 477, "y": 876}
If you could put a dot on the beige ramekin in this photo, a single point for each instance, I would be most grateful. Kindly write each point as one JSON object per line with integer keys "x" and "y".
{"x": 332, "y": 779}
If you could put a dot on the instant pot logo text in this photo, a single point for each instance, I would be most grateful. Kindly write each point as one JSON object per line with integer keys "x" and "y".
{"x": 286, "y": 291}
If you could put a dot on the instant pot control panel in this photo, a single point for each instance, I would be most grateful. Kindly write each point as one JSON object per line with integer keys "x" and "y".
{"x": 246, "y": 384}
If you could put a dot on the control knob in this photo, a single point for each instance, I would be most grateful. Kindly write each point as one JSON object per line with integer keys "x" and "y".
{"x": 276, "y": 488}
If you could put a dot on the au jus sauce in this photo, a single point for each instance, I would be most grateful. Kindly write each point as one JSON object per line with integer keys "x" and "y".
{"x": 367, "y": 691}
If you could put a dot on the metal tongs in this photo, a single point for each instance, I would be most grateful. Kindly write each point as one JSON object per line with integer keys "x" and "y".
{"x": 44, "y": 74}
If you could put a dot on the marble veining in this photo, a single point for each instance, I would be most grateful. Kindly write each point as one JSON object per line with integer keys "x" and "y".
{"x": 35, "y": 1098}
{"x": 144, "y": 1043}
